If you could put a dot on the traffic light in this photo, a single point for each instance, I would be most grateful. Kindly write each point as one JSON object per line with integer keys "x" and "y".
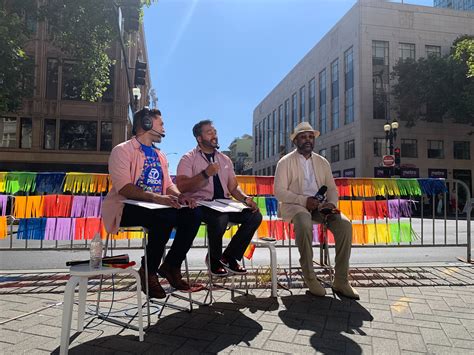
{"x": 140, "y": 73}
{"x": 131, "y": 15}
{"x": 397, "y": 156}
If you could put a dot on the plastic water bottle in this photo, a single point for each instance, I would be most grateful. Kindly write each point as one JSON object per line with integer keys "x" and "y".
{"x": 96, "y": 252}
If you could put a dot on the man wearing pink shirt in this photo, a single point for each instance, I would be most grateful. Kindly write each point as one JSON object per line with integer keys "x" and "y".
{"x": 139, "y": 171}
{"x": 204, "y": 173}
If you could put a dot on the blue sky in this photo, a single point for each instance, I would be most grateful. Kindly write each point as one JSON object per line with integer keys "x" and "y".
{"x": 217, "y": 59}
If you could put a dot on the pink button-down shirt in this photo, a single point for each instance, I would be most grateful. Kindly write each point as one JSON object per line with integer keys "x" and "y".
{"x": 194, "y": 161}
{"x": 125, "y": 167}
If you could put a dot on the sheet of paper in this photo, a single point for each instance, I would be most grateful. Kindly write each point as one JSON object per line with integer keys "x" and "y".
{"x": 149, "y": 205}
{"x": 236, "y": 204}
{"x": 219, "y": 206}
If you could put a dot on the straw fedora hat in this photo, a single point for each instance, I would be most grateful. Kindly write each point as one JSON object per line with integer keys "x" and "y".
{"x": 303, "y": 127}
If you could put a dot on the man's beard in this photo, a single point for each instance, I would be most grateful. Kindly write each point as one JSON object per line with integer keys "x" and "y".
{"x": 210, "y": 144}
{"x": 305, "y": 147}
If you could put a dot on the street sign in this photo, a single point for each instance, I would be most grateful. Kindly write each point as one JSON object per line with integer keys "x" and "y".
{"x": 388, "y": 160}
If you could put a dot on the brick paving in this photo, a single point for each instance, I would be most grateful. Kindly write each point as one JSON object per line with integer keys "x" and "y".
{"x": 391, "y": 318}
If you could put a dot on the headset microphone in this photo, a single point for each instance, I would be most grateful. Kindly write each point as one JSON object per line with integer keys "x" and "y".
{"x": 160, "y": 134}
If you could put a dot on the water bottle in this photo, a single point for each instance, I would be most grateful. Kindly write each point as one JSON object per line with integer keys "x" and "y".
{"x": 96, "y": 252}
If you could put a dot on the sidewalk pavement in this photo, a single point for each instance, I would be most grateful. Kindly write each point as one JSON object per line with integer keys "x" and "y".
{"x": 387, "y": 320}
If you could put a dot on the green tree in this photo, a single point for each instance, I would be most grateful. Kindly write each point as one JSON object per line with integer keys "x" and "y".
{"x": 16, "y": 67}
{"x": 463, "y": 50}
{"x": 433, "y": 89}
{"x": 83, "y": 30}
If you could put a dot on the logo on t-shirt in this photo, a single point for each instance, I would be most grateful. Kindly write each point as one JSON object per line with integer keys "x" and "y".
{"x": 154, "y": 177}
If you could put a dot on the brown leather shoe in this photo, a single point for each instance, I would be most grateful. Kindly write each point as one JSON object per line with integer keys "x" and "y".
{"x": 173, "y": 275}
{"x": 154, "y": 288}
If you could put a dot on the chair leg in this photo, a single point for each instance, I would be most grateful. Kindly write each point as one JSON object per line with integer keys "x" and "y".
{"x": 67, "y": 314}
{"x": 147, "y": 291}
{"x": 139, "y": 305}
{"x": 82, "y": 304}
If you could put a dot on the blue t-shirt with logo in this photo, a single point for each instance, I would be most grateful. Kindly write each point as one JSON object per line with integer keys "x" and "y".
{"x": 151, "y": 178}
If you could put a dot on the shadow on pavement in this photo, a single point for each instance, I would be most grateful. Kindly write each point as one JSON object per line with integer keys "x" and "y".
{"x": 331, "y": 324}
{"x": 207, "y": 329}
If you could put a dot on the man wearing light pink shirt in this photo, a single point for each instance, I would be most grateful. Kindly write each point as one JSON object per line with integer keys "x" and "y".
{"x": 204, "y": 173}
{"x": 139, "y": 171}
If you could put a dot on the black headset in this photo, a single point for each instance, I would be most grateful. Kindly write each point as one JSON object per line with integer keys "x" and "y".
{"x": 143, "y": 118}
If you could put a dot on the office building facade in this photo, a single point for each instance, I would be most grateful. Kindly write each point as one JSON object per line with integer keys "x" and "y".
{"x": 342, "y": 87}
{"x": 462, "y": 5}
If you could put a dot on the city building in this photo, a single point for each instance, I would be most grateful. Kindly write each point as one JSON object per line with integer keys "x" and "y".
{"x": 241, "y": 152}
{"x": 464, "y": 5}
{"x": 55, "y": 130}
{"x": 342, "y": 87}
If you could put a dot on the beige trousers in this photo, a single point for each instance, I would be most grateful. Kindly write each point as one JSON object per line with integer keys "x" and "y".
{"x": 340, "y": 226}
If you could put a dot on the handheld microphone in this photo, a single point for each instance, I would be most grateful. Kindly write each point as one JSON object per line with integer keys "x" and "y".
{"x": 320, "y": 194}
{"x": 160, "y": 134}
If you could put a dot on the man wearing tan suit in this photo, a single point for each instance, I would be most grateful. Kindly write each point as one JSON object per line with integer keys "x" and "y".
{"x": 298, "y": 177}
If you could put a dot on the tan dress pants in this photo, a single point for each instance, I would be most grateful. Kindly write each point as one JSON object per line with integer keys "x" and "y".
{"x": 340, "y": 226}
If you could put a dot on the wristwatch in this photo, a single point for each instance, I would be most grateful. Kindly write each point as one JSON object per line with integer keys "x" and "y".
{"x": 245, "y": 200}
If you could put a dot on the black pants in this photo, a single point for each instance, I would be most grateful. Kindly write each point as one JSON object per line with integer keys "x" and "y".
{"x": 216, "y": 227}
{"x": 160, "y": 223}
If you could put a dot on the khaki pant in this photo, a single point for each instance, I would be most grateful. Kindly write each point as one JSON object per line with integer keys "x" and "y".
{"x": 340, "y": 226}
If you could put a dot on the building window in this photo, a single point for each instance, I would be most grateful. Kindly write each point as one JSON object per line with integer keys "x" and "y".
{"x": 287, "y": 124}
{"x": 323, "y": 152}
{"x": 312, "y": 102}
{"x": 281, "y": 130}
{"x": 106, "y": 136}
{"x": 71, "y": 85}
{"x": 348, "y": 86}
{"x": 380, "y": 80}
{"x": 349, "y": 149}
{"x": 433, "y": 50}
{"x": 255, "y": 139}
{"x": 406, "y": 51}
{"x": 302, "y": 104}
{"x": 334, "y": 153}
{"x": 409, "y": 148}
{"x": 335, "y": 94}
{"x": 436, "y": 149}
{"x": 379, "y": 145}
{"x": 52, "y": 79}
{"x": 264, "y": 137}
{"x": 77, "y": 135}
{"x": 274, "y": 132}
{"x": 26, "y": 132}
{"x": 8, "y": 132}
{"x": 49, "y": 134}
{"x": 322, "y": 102}
{"x": 462, "y": 150}
{"x": 260, "y": 141}
{"x": 269, "y": 136}
{"x": 294, "y": 112}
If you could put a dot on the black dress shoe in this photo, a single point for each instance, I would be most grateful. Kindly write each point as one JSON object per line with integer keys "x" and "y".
{"x": 231, "y": 265}
{"x": 216, "y": 269}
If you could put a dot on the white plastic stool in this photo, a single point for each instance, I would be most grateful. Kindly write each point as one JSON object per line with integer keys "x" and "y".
{"x": 80, "y": 274}
{"x": 273, "y": 261}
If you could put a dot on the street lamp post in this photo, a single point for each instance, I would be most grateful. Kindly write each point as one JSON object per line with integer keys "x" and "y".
{"x": 391, "y": 130}
{"x": 136, "y": 96}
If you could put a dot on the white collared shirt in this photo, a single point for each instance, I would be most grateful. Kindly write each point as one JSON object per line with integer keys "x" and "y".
{"x": 310, "y": 185}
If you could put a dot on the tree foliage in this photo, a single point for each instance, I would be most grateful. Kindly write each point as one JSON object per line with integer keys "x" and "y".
{"x": 433, "y": 89}
{"x": 463, "y": 50}
{"x": 82, "y": 30}
{"x": 16, "y": 67}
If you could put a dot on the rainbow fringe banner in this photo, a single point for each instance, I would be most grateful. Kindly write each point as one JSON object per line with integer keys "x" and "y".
{"x": 247, "y": 184}
{"x": 19, "y": 182}
{"x": 371, "y": 187}
{"x": 3, "y": 177}
{"x": 86, "y": 183}
{"x": 3, "y": 227}
{"x": 49, "y": 183}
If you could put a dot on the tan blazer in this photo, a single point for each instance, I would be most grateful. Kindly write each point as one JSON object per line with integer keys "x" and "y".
{"x": 288, "y": 186}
